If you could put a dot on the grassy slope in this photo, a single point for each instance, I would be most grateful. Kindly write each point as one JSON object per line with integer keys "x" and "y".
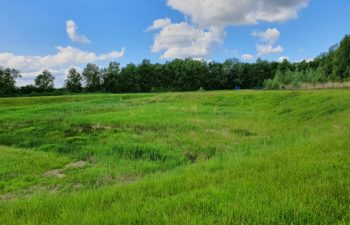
{"x": 21, "y": 169}
{"x": 192, "y": 158}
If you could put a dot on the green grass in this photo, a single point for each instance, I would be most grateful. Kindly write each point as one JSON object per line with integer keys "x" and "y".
{"x": 249, "y": 157}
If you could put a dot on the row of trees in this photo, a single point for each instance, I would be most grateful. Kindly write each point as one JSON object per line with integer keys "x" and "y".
{"x": 43, "y": 82}
{"x": 191, "y": 75}
{"x": 333, "y": 66}
{"x": 177, "y": 75}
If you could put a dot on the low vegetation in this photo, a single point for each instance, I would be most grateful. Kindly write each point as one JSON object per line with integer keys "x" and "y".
{"x": 226, "y": 157}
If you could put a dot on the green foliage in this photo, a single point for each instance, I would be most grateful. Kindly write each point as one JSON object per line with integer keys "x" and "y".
{"x": 74, "y": 81}
{"x": 342, "y": 59}
{"x": 147, "y": 74}
{"x": 333, "y": 66}
{"x": 294, "y": 79}
{"x": 129, "y": 79}
{"x": 92, "y": 77}
{"x": 44, "y": 81}
{"x": 110, "y": 77}
{"x": 272, "y": 84}
{"x": 201, "y": 89}
{"x": 8, "y": 80}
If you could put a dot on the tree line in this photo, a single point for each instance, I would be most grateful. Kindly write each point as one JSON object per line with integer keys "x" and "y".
{"x": 332, "y": 66}
{"x": 189, "y": 75}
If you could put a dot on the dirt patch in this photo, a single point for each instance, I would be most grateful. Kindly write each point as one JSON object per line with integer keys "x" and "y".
{"x": 7, "y": 197}
{"x": 77, "y": 186}
{"x": 335, "y": 126}
{"x": 127, "y": 179}
{"x": 55, "y": 173}
{"x": 76, "y": 165}
{"x": 59, "y": 173}
{"x": 102, "y": 127}
{"x": 222, "y": 132}
{"x": 29, "y": 191}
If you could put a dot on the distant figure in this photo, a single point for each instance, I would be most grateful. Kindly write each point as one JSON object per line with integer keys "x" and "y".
{"x": 237, "y": 88}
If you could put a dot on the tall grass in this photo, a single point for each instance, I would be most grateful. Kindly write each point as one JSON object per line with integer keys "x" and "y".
{"x": 243, "y": 157}
{"x": 327, "y": 85}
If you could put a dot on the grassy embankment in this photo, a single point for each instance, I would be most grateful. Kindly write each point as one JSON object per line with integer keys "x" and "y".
{"x": 245, "y": 157}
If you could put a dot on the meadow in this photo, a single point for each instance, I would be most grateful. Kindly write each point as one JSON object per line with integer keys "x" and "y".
{"x": 222, "y": 157}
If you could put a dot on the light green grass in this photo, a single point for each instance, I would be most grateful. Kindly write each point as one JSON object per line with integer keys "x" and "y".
{"x": 249, "y": 157}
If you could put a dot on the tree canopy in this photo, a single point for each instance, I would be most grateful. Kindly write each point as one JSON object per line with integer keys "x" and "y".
{"x": 45, "y": 81}
{"x": 8, "y": 80}
{"x": 74, "y": 81}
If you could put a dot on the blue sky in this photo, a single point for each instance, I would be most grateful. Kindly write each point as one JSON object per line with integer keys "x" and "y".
{"x": 35, "y": 36}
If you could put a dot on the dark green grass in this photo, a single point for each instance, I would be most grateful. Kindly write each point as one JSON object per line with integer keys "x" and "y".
{"x": 183, "y": 158}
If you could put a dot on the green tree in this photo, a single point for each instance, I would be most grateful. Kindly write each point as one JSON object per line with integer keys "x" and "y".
{"x": 185, "y": 75}
{"x": 92, "y": 77}
{"x": 111, "y": 77}
{"x": 45, "y": 81}
{"x": 28, "y": 89}
{"x": 342, "y": 59}
{"x": 232, "y": 69}
{"x": 130, "y": 79}
{"x": 147, "y": 75}
{"x": 74, "y": 81}
{"x": 215, "y": 77}
{"x": 8, "y": 80}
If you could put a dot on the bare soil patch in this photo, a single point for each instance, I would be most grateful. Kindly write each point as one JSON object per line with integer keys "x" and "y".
{"x": 76, "y": 165}
{"x": 59, "y": 173}
{"x": 55, "y": 173}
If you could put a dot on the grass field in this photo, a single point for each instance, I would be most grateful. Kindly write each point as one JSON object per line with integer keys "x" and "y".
{"x": 248, "y": 157}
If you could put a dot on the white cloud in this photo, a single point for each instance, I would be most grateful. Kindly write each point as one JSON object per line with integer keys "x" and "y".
{"x": 66, "y": 57}
{"x": 282, "y": 58}
{"x": 247, "y": 57}
{"x": 269, "y": 36}
{"x": 268, "y": 39}
{"x": 181, "y": 40}
{"x": 306, "y": 59}
{"x": 159, "y": 24}
{"x": 208, "y": 20}
{"x": 73, "y": 35}
{"x": 268, "y": 49}
{"x": 222, "y": 13}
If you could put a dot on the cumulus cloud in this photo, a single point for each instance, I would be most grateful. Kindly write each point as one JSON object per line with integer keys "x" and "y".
{"x": 181, "y": 40}
{"x": 66, "y": 57}
{"x": 209, "y": 18}
{"x": 222, "y": 13}
{"x": 269, "y": 36}
{"x": 247, "y": 57}
{"x": 73, "y": 34}
{"x": 268, "y": 49}
{"x": 268, "y": 39}
{"x": 159, "y": 24}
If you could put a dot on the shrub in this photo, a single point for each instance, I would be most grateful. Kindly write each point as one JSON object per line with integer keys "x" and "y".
{"x": 201, "y": 89}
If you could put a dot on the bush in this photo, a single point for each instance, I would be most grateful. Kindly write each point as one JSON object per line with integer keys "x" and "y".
{"x": 201, "y": 89}
{"x": 294, "y": 79}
